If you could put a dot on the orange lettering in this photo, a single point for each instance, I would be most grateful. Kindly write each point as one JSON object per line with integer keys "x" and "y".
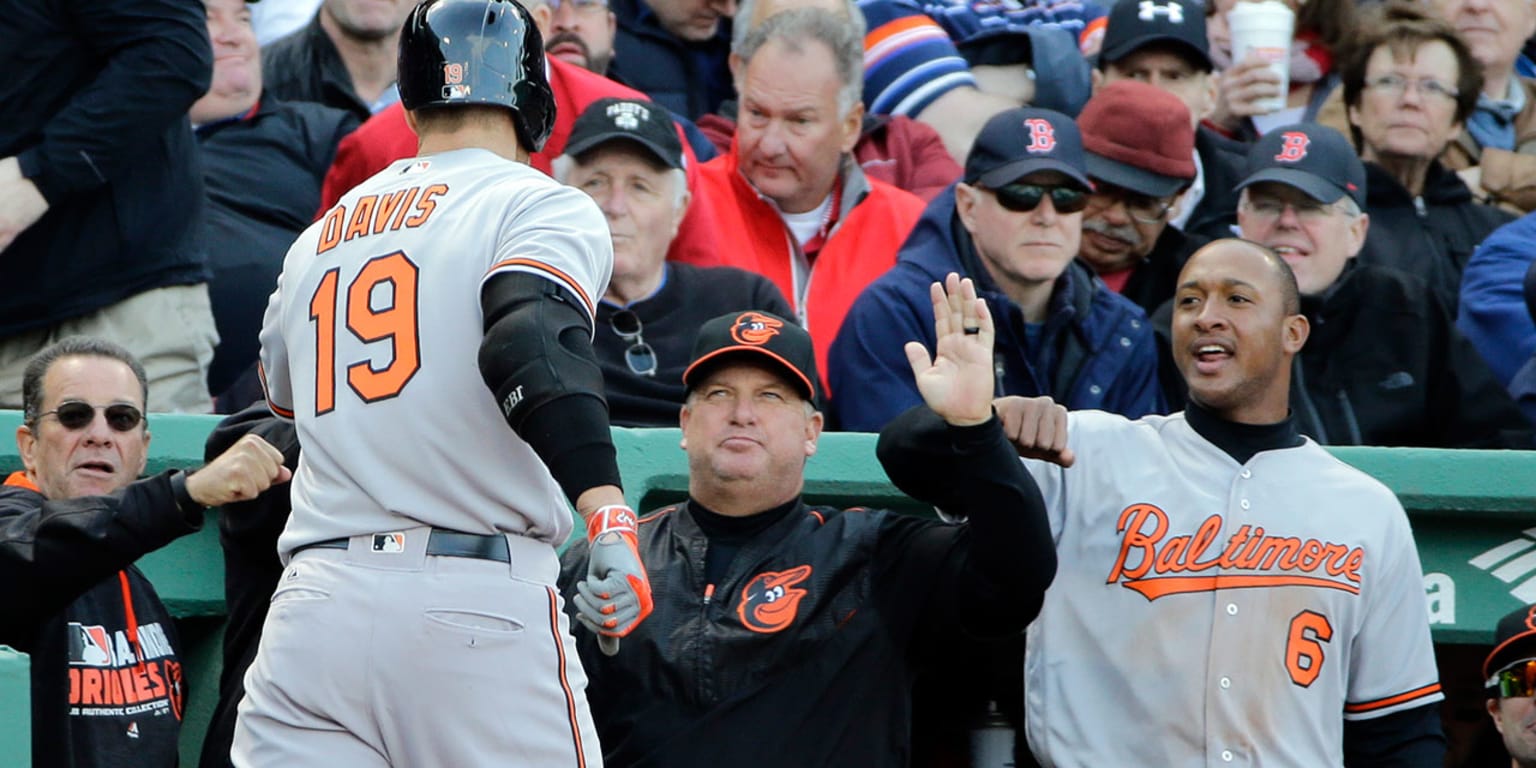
{"x": 74, "y": 686}
{"x": 1311, "y": 555}
{"x": 405, "y": 207}
{"x": 1249, "y": 559}
{"x": 156, "y": 684}
{"x": 362, "y": 216}
{"x": 387, "y": 207}
{"x": 1352, "y": 566}
{"x": 1168, "y": 557}
{"x": 141, "y": 691}
{"x": 330, "y": 231}
{"x": 1132, "y": 520}
{"x": 426, "y": 205}
{"x": 1275, "y": 548}
{"x": 90, "y": 686}
{"x": 1207, "y": 534}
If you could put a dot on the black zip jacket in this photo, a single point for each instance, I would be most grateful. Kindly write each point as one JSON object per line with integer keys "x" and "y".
{"x": 1385, "y": 365}
{"x": 94, "y": 107}
{"x": 805, "y": 650}
{"x": 101, "y": 642}
{"x": 1225, "y": 164}
{"x": 1431, "y": 235}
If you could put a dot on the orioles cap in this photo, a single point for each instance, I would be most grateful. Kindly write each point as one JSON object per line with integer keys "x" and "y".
{"x": 764, "y": 335}
{"x": 1513, "y": 639}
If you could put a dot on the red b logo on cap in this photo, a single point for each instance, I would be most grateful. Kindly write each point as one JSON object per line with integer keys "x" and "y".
{"x": 1294, "y": 148}
{"x": 1042, "y": 135}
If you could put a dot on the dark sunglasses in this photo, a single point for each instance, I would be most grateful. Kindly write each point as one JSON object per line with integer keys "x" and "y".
{"x": 1516, "y": 680}
{"x": 639, "y": 357}
{"x": 75, "y": 415}
{"x": 1022, "y": 198}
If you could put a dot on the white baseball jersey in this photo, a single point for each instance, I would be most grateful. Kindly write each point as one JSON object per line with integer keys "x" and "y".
{"x": 1207, "y": 613}
{"x": 371, "y": 339}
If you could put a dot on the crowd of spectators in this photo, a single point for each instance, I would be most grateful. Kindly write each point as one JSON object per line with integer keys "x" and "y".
{"x": 806, "y": 150}
{"x": 825, "y": 161}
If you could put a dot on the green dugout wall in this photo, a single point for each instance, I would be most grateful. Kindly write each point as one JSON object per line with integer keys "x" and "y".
{"x": 1473, "y": 514}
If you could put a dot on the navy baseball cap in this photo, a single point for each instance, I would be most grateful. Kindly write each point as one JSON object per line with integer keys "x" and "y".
{"x": 1313, "y": 158}
{"x": 612, "y": 119}
{"x": 1513, "y": 639}
{"x": 764, "y": 335}
{"x": 1018, "y": 142}
{"x": 1134, "y": 24}
{"x": 1138, "y": 137}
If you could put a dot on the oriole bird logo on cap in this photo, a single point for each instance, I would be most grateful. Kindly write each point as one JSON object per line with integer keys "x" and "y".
{"x": 755, "y": 328}
{"x": 770, "y": 599}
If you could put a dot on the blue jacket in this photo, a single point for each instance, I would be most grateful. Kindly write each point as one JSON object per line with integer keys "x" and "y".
{"x": 1098, "y": 352}
{"x": 1492, "y": 314}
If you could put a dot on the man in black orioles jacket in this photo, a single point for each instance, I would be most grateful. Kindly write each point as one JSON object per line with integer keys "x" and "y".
{"x": 785, "y": 634}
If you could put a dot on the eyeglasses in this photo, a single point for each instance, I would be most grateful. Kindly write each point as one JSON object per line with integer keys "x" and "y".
{"x": 74, "y": 414}
{"x": 1022, "y": 198}
{"x": 581, "y": 6}
{"x": 1396, "y": 85}
{"x": 1516, "y": 680}
{"x": 1143, "y": 208}
{"x": 639, "y": 357}
{"x": 1308, "y": 211}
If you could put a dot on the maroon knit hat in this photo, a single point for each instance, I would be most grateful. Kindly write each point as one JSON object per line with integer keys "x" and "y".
{"x": 1138, "y": 137}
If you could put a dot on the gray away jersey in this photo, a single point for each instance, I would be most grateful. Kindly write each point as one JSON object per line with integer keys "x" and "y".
{"x": 370, "y": 345}
{"x": 1207, "y": 613}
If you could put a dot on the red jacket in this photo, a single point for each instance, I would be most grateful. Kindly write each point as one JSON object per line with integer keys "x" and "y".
{"x": 386, "y": 138}
{"x": 894, "y": 149}
{"x": 872, "y": 223}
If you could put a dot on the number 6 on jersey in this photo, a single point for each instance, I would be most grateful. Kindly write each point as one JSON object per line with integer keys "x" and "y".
{"x": 389, "y": 282}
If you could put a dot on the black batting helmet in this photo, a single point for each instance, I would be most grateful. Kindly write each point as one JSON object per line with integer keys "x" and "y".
{"x": 478, "y": 52}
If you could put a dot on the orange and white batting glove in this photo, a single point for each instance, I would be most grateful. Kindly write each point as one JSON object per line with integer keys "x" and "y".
{"x": 616, "y": 595}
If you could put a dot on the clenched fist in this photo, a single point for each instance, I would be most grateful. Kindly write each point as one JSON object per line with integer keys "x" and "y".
{"x": 249, "y": 467}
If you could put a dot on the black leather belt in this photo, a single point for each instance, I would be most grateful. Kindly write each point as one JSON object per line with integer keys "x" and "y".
{"x": 445, "y": 544}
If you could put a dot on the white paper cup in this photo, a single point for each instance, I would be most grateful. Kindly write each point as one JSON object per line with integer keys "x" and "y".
{"x": 1265, "y": 27}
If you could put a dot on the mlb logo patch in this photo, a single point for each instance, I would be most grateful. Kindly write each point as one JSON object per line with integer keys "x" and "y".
{"x": 389, "y": 543}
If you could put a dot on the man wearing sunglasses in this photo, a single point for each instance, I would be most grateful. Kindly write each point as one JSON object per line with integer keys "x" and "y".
{"x": 625, "y": 154}
{"x": 72, "y": 523}
{"x": 1139, "y": 148}
{"x": 1014, "y": 225}
{"x": 1510, "y": 671}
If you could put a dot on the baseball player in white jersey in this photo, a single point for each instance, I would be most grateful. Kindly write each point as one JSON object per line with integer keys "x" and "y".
{"x": 1228, "y": 593}
{"x": 417, "y": 623}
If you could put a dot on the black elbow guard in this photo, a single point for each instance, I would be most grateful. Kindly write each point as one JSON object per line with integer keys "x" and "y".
{"x": 537, "y": 346}
{"x": 537, "y": 359}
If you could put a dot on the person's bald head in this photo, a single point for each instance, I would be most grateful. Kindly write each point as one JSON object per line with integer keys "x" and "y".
{"x": 1236, "y": 327}
{"x": 750, "y": 13}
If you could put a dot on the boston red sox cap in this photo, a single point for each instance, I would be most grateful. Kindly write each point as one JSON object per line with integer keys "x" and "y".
{"x": 1134, "y": 24}
{"x": 1018, "y": 142}
{"x": 762, "y": 334}
{"x": 1138, "y": 137}
{"x": 613, "y": 119}
{"x": 1313, "y": 158}
{"x": 1514, "y": 639}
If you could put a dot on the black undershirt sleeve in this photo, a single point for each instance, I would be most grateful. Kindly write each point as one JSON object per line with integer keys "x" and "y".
{"x": 1411, "y": 738}
{"x": 1009, "y": 557}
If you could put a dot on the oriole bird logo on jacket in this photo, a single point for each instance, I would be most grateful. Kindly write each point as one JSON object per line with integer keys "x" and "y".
{"x": 770, "y": 600}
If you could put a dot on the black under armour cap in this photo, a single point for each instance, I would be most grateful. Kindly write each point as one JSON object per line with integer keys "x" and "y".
{"x": 1134, "y": 24}
{"x": 645, "y": 123}
{"x": 1313, "y": 158}
{"x": 762, "y": 334}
